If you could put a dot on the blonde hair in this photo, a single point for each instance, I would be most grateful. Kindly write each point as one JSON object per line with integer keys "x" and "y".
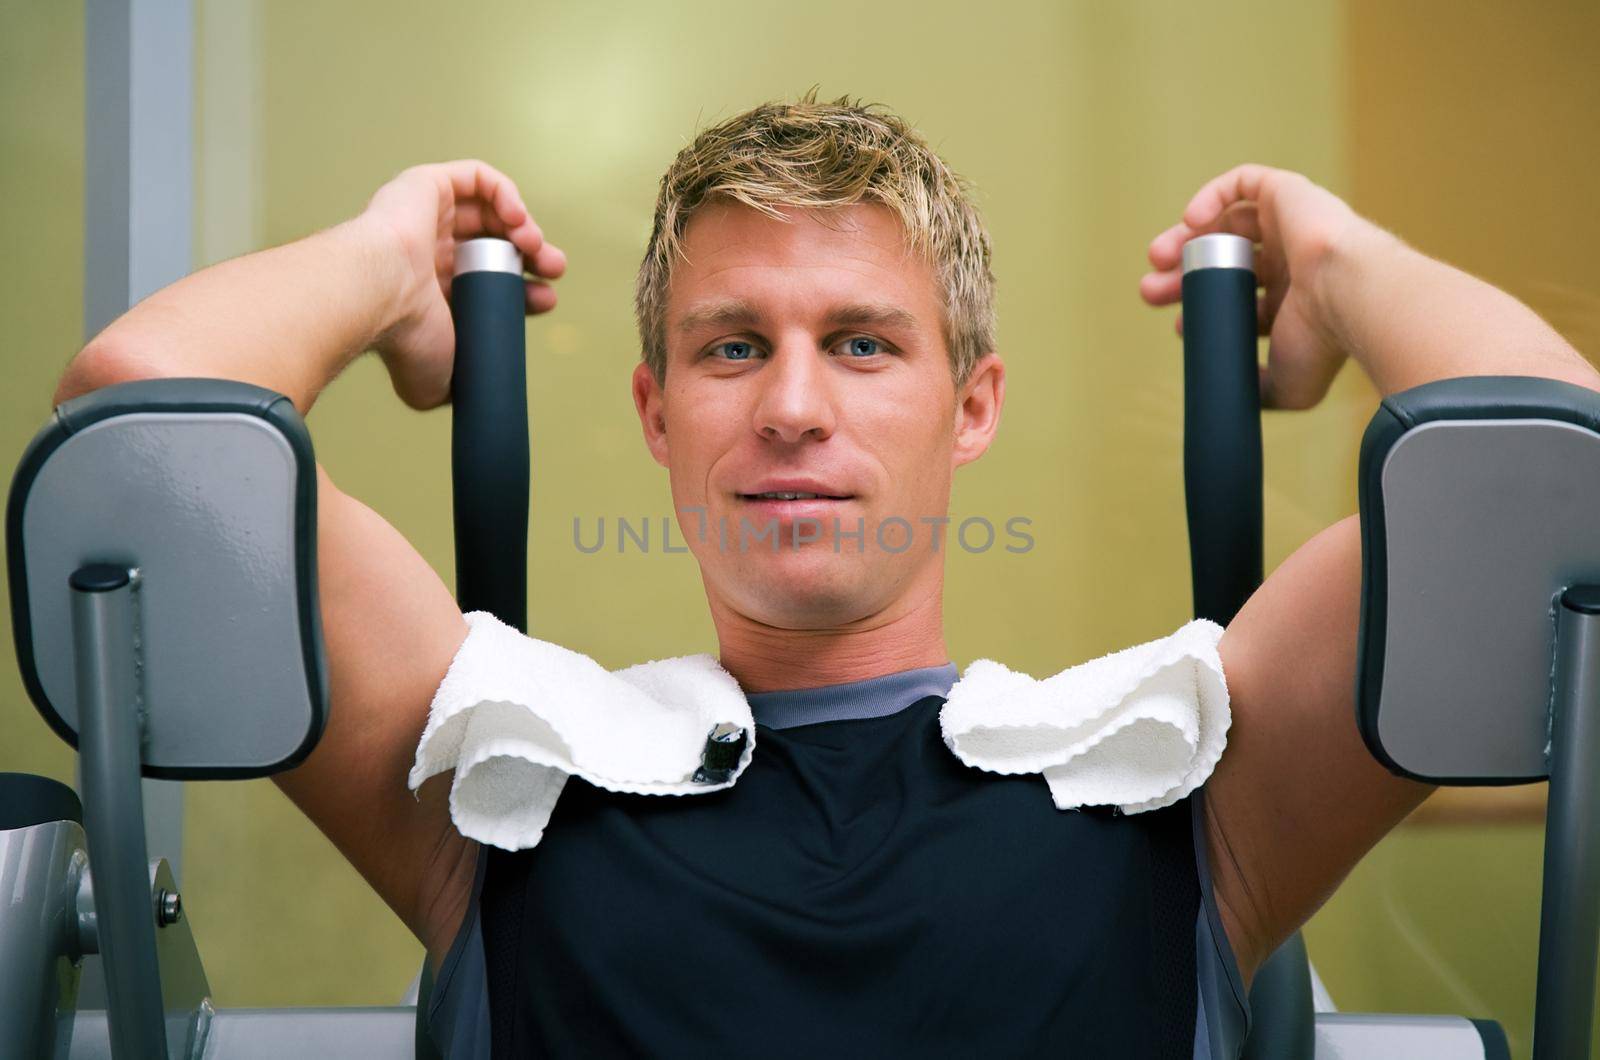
{"x": 812, "y": 155}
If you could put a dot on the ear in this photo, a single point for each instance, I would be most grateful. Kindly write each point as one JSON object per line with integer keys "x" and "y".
{"x": 978, "y": 409}
{"x": 648, "y": 401}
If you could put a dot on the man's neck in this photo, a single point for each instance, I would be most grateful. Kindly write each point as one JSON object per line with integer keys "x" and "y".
{"x": 764, "y": 658}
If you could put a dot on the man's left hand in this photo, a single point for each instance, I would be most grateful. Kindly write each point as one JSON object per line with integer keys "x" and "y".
{"x": 1296, "y": 224}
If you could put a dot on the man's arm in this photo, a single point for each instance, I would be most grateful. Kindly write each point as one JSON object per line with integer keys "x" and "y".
{"x": 1297, "y": 799}
{"x": 290, "y": 319}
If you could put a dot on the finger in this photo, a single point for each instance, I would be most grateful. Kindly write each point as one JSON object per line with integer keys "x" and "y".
{"x": 475, "y": 179}
{"x": 474, "y": 219}
{"x": 528, "y": 238}
{"x": 548, "y": 261}
{"x": 1241, "y": 219}
{"x": 1166, "y": 249}
{"x": 540, "y": 296}
{"x": 501, "y": 193}
{"x": 1238, "y": 183}
{"x": 1266, "y": 312}
{"x": 1161, "y": 288}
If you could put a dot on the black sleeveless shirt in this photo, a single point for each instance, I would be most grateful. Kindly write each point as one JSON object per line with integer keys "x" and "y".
{"x": 859, "y": 892}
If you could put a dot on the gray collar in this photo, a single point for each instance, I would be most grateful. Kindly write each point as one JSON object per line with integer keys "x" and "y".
{"x": 875, "y": 697}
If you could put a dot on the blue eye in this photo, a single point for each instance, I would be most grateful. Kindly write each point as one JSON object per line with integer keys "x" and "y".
{"x": 861, "y": 346}
{"x": 737, "y": 351}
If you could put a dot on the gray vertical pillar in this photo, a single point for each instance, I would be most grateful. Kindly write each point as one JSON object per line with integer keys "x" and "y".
{"x": 1569, "y": 915}
{"x": 138, "y": 203}
{"x": 106, "y": 660}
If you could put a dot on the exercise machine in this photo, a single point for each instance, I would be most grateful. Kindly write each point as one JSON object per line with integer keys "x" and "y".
{"x": 161, "y": 551}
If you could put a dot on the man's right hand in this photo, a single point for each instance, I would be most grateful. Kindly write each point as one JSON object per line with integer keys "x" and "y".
{"x": 425, "y": 212}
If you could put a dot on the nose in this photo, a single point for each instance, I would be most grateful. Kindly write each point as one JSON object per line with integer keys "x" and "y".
{"x": 796, "y": 397}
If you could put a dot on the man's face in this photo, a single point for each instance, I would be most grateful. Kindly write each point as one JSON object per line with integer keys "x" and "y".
{"x": 808, "y": 356}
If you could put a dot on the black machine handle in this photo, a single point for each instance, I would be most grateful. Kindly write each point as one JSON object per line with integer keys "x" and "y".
{"x": 1221, "y": 424}
{"x": 489, "y": 431}
{"x": 489, "y": 463}
{"x": 1222, "y": 494}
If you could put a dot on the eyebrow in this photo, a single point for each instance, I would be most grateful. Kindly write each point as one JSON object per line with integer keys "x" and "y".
{"x": 739, "y": 313}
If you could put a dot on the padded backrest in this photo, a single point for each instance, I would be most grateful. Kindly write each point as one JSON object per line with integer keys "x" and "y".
{"x": 208, "y": 489}
{"x": 1480, "y": 504}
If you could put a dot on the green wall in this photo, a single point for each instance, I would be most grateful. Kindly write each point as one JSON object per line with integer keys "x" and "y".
{"x": 1085, "y": 126}
{"x": 41, "y": 281}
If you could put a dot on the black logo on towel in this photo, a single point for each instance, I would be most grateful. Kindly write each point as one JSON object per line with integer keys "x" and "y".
{"x": 724, "y": 745}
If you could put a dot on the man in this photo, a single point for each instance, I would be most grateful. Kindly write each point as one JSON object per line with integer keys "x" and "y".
{"x": 816, "y": 314}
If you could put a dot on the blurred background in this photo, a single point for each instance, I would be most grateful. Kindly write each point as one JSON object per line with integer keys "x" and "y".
{"x": 1468, "y": 129}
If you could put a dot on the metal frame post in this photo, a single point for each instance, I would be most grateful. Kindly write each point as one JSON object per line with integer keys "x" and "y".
{"x": 138, "y": 207}
{"x": 105, "y": 651}
{"x": 1569, "y": 916}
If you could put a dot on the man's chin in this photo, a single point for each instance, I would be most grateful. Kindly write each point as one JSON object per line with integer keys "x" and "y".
{"x": 808, "y": 588}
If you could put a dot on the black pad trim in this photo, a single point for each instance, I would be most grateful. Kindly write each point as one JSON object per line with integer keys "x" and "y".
{"x": 1493, "y": 1036}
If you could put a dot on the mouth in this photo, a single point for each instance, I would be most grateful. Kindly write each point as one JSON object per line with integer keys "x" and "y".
{"x": 781, "y": 492}
{"x": 790, "y": 507}
{"x": 794, "y": 495}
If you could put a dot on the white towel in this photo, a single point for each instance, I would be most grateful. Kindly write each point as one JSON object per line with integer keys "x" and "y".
{"x": 515, "y": 716}
{"x": 1137, "y": 729}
